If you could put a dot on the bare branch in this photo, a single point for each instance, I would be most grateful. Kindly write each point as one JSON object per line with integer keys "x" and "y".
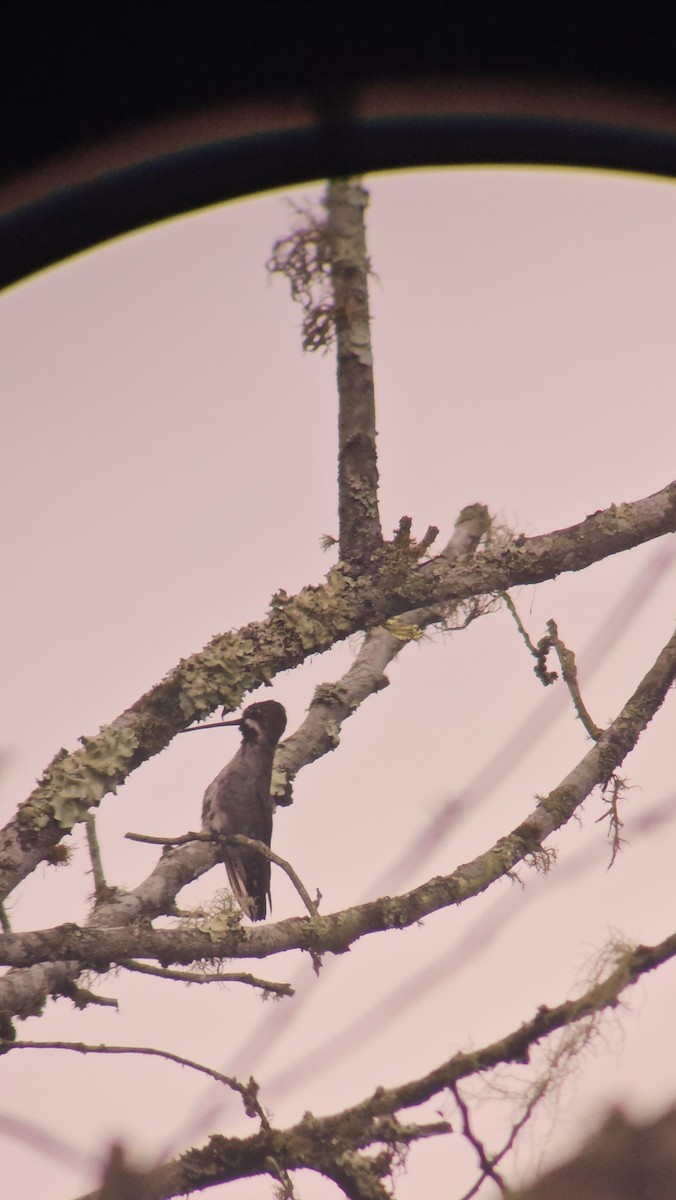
{"x": 297, "y": 627}
{"x": 182, "y": 839}
{"x": 486, "y": 1161}
{"x": 333, "y": 703}
{"x": 359, "y": 521}
{"x": 539, "y": 652}
{"x": 569, "y": 672}
{"x": 98, "y": 948}
{"x": 247, "y": 1092}
{"x": 325, "y": 1144}
{"x": 266, "y": 985}
{"x": 236, "y": 839}
{"x": 101, "y": 888}
{"x": 515, "y": 1046}
{"x": 83, "y": 997}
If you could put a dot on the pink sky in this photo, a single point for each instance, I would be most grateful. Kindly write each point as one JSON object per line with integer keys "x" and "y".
{"x": 169, "y": 462}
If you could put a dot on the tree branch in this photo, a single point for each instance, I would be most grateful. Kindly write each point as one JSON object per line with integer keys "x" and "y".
{"x": 360, "y": 533}
{"x": 296, "y": 628}
{"x": 247, "y": 1092}
{"x": 486, "y": 1160}
{"x": 235, "y": 839}
{"x": 101, "y": 888}
{"x": 566, "y": 658}
{"x": 329, "y": 1144}
{"x": 334, "y": 702}
{"x": 97, "y": 949}
{"x": 266, "y": 985}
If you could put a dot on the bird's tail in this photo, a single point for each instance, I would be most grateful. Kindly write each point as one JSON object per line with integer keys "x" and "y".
{"x": 249, "y": 878}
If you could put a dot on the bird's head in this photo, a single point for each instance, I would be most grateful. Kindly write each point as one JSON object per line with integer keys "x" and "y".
{"x": 263, "y": 721}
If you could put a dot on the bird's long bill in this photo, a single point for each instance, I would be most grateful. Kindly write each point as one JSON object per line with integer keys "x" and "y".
{"x": 214, "y": 725}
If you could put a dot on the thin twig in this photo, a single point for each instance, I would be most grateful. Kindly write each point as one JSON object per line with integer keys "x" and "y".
{"x": 83, "y": 997}
{"x": 535, "y": 1099}
{"x": 239, "y": 840}
{"x": 181, "y": 840}
{"x": 519, "y": 623}
{"x": 539, "y": 652}
{"x": 267, "y": 985}
{"x": 286, "y": 1189}
{"x": 235, "y": 839}
{"x": 101, "y": 889}
{"x": 612, "y": 814}
{"x": 248, "y": 1092}
{"x": 486, "y": 1161}
{"x": 569, "y": 671}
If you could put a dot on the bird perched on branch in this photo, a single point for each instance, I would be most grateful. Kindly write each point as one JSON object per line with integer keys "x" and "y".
{"x": 239, "y": 802}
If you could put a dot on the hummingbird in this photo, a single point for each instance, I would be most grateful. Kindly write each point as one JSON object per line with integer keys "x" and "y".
{"x": 238, "y": 801}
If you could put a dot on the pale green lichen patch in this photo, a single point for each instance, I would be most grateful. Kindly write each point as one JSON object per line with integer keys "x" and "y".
{"x": 234, "y": 664}
{"x": 279, "y": 782}
{"x": 316, "y": 616}
{"x": 220, "y": 676}
{"x": 403, "y": 632}
{"x": 72, "y": 784}
{"x": 329, "y": 694}
{"x": 220, "y": 924}
{"x": 332, "y": 732}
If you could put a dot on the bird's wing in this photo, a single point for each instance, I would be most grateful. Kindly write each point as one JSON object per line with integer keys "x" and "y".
{"x": 248, "y": 871}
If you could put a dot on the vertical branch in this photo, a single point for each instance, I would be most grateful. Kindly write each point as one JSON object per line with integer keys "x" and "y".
{"x": 101, "y": 889}
{"x": 360, "y": 532}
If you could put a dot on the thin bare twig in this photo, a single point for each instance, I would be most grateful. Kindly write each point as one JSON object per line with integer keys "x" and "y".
{"x": 83, "y": 997}
{"x": 235, "y": 839}
{"x": 266, "y": 985}
{"x": 180, "y": 840}
{"x": 510, "y": 605}
{"x": 251, "y": 843}
{"x": 248, "y": 1092}
{"x": 101, "y": 889}
{"x": 496, "y": 1158}
{"x": 566, "y": 658}
{"x": 486, "y": 1161}
{"x": 539, "y": 652}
